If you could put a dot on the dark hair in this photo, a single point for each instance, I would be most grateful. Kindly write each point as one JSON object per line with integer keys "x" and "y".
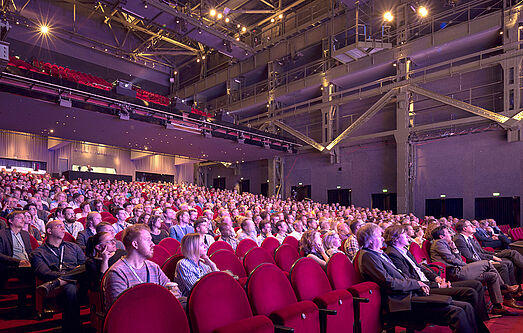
{"x": 353, "y": 226}
{"x": 90, "y": 247}
{"x": 263, "y": 224}
{"x": 15, "y": 213}
{"x": 101, "y": 225}
{"x": 365, "y": 233}
{"x": 199, "y": 221}
{"x": 438, "y": 232}
{"x": 460, "y": 225}
{"x": 180, "y": 213}
{"x": 26, "y": 207}
{"x": 392, "y": 234}
{"x": 152, "y": 220}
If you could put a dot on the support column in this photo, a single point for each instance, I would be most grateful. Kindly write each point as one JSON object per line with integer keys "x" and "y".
{"x": 512, "y": 66}
{"x": 403, "y": 153}
{"x": 276, "y": 183}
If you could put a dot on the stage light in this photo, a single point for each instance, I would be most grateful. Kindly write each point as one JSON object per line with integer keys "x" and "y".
{"x": 227, "y": 20}
{"x": 237, "y": 39}
{"x": 203, "y": 57}
{"x": 244, "y": 29}
{"x": 220, "y": 16}
{"x": 388, "y": 17}
{"x": 212, "y": 12}
{"x": 280, "y": 16}
{"x": 44, "y": 29}
{"x": 238, "y": 26}
{"x": 198, "y": 60}
{"x": 423, "y": 11}
{"x": 272, "y": 20}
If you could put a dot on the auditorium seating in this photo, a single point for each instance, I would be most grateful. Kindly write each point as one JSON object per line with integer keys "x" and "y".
{"x": 255, "y": 257}
{"x": 218, "y": 304}
{"x": 292, "y": 241}
{"x": 270, "y": 244}
{"x": 163, "y": 311}
{"x": 336, "y": 306}
{"x": 171, "y": 245}
{"x": 219, "y": 245}
{"x": 169, "y": 266}
{"x": 285, "y": 256}
{"x": 516, "y": 233}
{"x": 160, "y": 255}
{"x": 227, "y": 260}
{"x": 271, "y": 294}
{"x": 244, "y": 246}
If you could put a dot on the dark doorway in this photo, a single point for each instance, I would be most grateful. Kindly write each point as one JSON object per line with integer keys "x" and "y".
{"x": 245, "y": 185}
{"x": 264, "y": 190}
{"x": 341, "y": 196}
{"x": 384, "y": 201}
{"x": 219, "y": 183}
{"x": 444, "y": 207}
{"x": 505, "y": 210}
{"x": 301, "y": 192}
{"x": 153, "y": 177}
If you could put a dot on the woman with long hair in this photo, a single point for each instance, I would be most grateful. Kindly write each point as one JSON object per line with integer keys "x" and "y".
{"x": 155, "y": 224}
{"x": 312, "y": 246}
{"x": 101, "y": 253}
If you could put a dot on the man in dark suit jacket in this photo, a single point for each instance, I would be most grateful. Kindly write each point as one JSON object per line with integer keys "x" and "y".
{"x": 15, "y": 247}
{"x": 470, "y": 291}
{"x": 403, "y": 295}
{"x": 485, "y": 238}
{"x": 444, "y": 250}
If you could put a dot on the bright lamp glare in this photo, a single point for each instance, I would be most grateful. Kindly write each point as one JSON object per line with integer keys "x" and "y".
{"x": 44, "y": 29}
{"x": 219, "y": 16}
{"x": 423, "y": 11}
{"x": 388, "y": 17}
{"x": 213, "y": 12}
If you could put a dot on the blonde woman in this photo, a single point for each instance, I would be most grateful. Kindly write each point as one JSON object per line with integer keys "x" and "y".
{"x": 195, "y": 265}
{"x": 312, "y": 247}
{"x": 332, "y": 243}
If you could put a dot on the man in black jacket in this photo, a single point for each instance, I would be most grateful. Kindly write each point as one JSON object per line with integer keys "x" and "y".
{"x": 15, "y": 247}
{"x": 470, "y": 291}
{"x": 406, "y": 296}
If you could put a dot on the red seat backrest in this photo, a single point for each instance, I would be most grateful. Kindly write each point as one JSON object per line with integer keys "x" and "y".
{"x": 290, "y": 240}
{"x": 417, "y": 252}
{"x": 82, "y": 220}
{"x": 269, "y": 289}
{"x": 341, "y": 272}
{"x": 148, "y": 300}
{"x": 270, "y": 244}
{"x": 426, "y": 250}
{"x": 255, "y": 257}
{"x": 285, "y": 256}
{"x": 227, "y": 260}
{"x": 106, "y": 215}
{"x": 309, "y": 280}
{"x": 34, "y": 242}
{"x": 244, "y": 246}
{"x": 169, "y": 266}
{"x": 171, "y": 245}
{"x": 119, "y": 235}
{"x": 110, "y": 219}
{"x": 160, "y": 255}
{"x": 219, "y": 245}
{"x": 69, "y": 238}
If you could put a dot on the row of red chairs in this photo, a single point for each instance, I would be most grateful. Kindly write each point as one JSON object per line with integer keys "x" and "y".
{"x": 151, "y": 97}
{"x": 516, "y": 233}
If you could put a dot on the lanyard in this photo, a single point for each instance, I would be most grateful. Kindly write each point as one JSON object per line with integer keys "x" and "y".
{"x": 134, "y": 272}
{"x": 60, "y": 257}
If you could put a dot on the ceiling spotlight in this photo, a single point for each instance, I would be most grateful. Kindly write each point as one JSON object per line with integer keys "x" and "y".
{"x": 423, "y": 11}
{"x": 175, "y": 72}
{"x": 237, "y": 39}
{"x": 280, "y": 16}
{"x": 220, "y": 16}
{"x": 238, "y": 26}
{"x": 177, "y": 20}
{"x": 198, "y": 60}
{"x": 44, "y": 29}
{"x": 203, "y": 57}
{"x": 227, "y": 20}
{"x": 388, "y": 17}
{"x": 272, "y": 20}
{"x": 144, "y": 4}
{"x": 244, "y": 29}
{"x": 199, "y": 31}
{"x": 212, "y": 12}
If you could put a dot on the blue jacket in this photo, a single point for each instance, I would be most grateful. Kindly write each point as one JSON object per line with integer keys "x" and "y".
{"x": 177, "y": 232}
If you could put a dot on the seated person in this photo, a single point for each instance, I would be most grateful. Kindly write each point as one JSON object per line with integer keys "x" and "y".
{"x": 57, "y": 262}
{"x": 195, "y": 265}
{"x": 351, "y": 246}
{"x": 228, "y": 235}
{"x": 101, "y": 254}
{"x": 30, "y": 228}
{"x": 91, "y": 221}
{"x": 332, "y": 243}
{"x": 34, "y": 220}
{"x": 282, "y": 228}
{"x": 201, "y": 226}
{"x": 248, "y": 230}
{"x": 312, "y": 246}
{"x": 183, "y": 227}
{"x": 134, "y": 268}
{"x": 15, "y": 248}
{"x": 155, "y": 224}
{"x": 404, "y": 296}
{"x": 108, "y": 227}
{"x": 486, "y": 238}
{"x": 265, "y": 231}
{"x": 71, "y": 225}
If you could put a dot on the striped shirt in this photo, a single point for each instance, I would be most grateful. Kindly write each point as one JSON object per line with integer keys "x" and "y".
{"x": 188, "y": 273}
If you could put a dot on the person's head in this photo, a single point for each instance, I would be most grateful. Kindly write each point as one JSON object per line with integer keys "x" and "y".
{"x": 93, "y": 219}
{"x": 55, "y": 229}
{"x": 441, "y": 232}
{"x": 105, "y": 227}
{"x": 154, "y": 222}
{"x": 12, "y": 202}
{"x": 98, "y": 205}
{"x": 308, "y": 239}
{"x": 312, "y": 223}
{"x": 332, "y": 240}
{"x": 248, "y": 226}
{"x": 168, "y": 214}
{"x": 31, "y": 208}
{"x": 369, "y": 236}
{"x": 355, "y": 226}
{"x": 69, "y": 215}
{"x": 409, "y": 230}
{"x": 144, "y": 218}
{"x": 226, "y": 230}
{"x": 193, "y": 214}
{"x": 84, "y": 206}
{"x": 342, "y": 228}
{"x": 418, "y": 231}
{"x": 396, "y": 235}
{"x": 183, "y": 216}
{"x": 120, "y": 214}
{"x": 208, "y": 214}
{"x": 282, "y": 227}
{"x": 465, "y": 227}
{"x": 192, "y": 246}
{"x": 16, "y": 219}
{"x": 265, "y": 227}
{"x": 298, "y": 226}
{"x": 201, "y": 225}
{"x": 137, "y": 240}
{"x": 100, "y": 242}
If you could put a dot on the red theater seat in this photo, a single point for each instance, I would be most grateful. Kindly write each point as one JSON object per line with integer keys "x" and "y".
{"x": 227, "y": 260}
{"x": 160, "y": 255}
{"x": 219, "y": 245}
{"x": 171, "y": 245}
{"x": 285, "y": 256}
{"x": 255, "y": 257}
{"x": 146, "y": 307}
{"x": 169, "y": 266}
{"x": 244, "y": 246}
{"x": 270, "y": 244}
{"x": 292, "y": 241}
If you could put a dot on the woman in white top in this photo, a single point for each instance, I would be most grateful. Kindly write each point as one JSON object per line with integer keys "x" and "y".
{"x": 332, "y": 242}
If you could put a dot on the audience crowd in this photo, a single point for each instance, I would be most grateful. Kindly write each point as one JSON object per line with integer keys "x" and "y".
{"x": 75, "y": 223}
